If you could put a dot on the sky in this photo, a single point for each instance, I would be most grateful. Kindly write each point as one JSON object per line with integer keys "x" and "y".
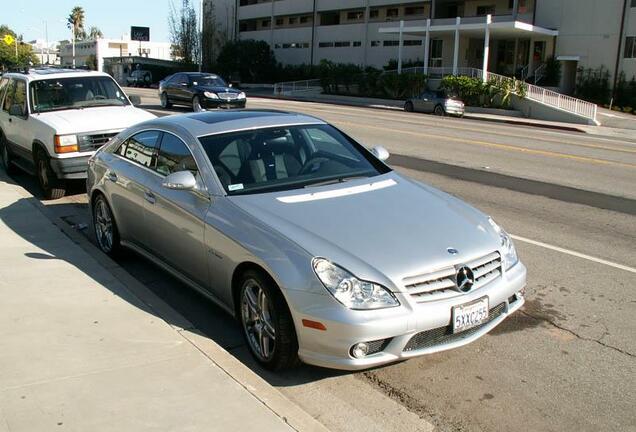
{"x": 113, "y": 17}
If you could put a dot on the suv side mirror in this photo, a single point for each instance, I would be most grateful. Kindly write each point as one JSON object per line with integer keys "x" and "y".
{"x": 16, "y": 110}
{"x": 380, "y": 152}
{"x": 135, "y": 100}
{"x": 181, "y": 180}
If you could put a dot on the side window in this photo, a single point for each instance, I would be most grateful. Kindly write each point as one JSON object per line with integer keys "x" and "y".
{"x": 3, "y": 87}
{"x": 8, "y": 100}
{"x": 174, "y": 156}
{"x": 141, "y": 148}
{"x": 20, "y": 97}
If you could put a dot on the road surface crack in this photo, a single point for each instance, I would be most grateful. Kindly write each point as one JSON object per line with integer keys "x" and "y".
{"x": 578, "y": 336}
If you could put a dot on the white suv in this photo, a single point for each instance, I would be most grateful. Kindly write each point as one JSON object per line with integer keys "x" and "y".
{"x": 53, "y": 120}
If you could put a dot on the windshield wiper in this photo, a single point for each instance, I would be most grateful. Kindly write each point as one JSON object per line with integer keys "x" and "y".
{"x": 335, "y": 181}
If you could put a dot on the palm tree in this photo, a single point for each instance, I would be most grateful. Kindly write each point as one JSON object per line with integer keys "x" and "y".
{"x": 95, "y": 33}
{"x": 75, "y": 22}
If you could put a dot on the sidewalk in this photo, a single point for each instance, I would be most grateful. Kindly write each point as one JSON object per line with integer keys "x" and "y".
{"x": 81, "y": 351}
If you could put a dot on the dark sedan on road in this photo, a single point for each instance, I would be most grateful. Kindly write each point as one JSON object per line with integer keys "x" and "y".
{"x": 437, "y": 102}
{"x": 201, "y": 91}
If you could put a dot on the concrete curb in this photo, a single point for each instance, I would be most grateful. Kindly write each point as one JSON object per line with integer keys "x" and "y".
{"x": 275, "y": 401}
{"x": 396, "y": 108}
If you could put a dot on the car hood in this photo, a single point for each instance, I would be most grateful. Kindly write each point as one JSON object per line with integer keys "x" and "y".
{"x": 77, "y": 121}
{"x": 216, "y": 89}
{"x": 387, "y": 228}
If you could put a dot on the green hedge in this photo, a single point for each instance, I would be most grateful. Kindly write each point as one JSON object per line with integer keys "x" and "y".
{"x": 490, "y": 94}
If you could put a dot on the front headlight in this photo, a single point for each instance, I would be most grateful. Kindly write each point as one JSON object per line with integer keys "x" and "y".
{"x": 211, "y": 95}
{"x": 509, "y": 257}
{"x": 241, "y": 95}
{"x": 351, "y": 291}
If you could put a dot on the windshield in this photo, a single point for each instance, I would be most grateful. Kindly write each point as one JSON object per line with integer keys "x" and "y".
{"x": 207, "y": 80}
{"x": 75, "y": 93}
{"x": 286, "y": 158}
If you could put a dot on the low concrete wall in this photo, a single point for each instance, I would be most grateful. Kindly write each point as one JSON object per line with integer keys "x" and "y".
{"x": 539, "y": 111}
{"x": 494, "y": 111}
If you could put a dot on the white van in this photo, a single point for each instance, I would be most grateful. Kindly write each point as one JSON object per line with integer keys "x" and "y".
{"x": 53, "y": 120}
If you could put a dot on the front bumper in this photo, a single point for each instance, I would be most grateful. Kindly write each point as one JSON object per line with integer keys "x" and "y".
{"x": 73, "y": 168}
{"x": 395, "y": 327}
{"x": 221, "y": 103}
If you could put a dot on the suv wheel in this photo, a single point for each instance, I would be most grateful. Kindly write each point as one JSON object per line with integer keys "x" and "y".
{"x": 267, "y": 323}
{"x": 105, "y": 228}
{"x": 52, "y": 187}
{"x": 165, "y": 102}
{"x": 5, "y": 156}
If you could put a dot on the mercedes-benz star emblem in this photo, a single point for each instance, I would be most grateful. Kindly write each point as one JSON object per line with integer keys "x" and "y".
{"x": 465, "y": 279}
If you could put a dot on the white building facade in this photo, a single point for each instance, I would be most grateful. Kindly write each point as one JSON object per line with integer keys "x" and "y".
{"x": 107, "y": 48}
{"x": 523, "y": 34}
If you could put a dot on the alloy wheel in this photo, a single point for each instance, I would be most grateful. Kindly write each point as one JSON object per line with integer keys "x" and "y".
{"x": 103, "y": 226}
{"x": 196, "y": 104}
{"x": 164, "y": 100}
{"x": 258, "y": 322}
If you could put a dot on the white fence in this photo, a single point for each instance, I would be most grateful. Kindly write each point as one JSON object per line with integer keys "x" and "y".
{"x": 535, "y": 93}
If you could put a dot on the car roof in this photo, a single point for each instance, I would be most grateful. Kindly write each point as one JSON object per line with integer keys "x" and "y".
{"x": 211, "y": 123}
{"x": 53, "y": 73}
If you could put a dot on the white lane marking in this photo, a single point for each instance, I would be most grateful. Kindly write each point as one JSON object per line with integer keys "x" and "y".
{"x": 337, "y": 192}
{"x": 576, "y": 254}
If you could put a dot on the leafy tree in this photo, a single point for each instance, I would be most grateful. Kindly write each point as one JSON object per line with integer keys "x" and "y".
{"x": 95, "y": 33}
{"x": 253, "y": 61}
{"x": 7, "y": 52}
{"x": 76, "y": 21}
{"x": 184, "y": 32}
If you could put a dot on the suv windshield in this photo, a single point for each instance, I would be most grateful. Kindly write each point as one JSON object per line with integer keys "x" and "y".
{"x": 207, "y": 80}
{"x": 286, "y": 158}
{"x": 75, "y": 93}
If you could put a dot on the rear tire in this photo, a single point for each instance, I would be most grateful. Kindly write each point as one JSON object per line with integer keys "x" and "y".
{"x": 105, "y": 227}
{"x": 196, "y": 104}
{"x": 408, "y": 107}
{"x": 268, "y": 317}
{"x": 5, "y": 157}
{"x": 165, "y": 102}
{"x": 439, "y": 111}
{"x": 52, "y": 187}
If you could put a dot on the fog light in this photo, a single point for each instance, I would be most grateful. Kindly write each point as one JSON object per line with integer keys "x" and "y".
{"x": 360, "y": 350}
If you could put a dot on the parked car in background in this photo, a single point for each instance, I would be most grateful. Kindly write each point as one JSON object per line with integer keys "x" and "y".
{"x": 53, "y": 120}
{"x": 319, "y": 249}
{"x": 437, "y": 102}
{"x": 139, "y": 78}
{"x": 201, "y": 91}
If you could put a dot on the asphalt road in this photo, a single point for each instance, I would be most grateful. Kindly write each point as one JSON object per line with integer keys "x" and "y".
{"x": 563, "y": 363}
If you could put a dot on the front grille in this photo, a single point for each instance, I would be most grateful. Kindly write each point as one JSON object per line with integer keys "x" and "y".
{"x": 445, "y": 335}
{"x": 94, "y": 141}
{"x": 440, "y": 284}
{"x": 377, "y": 346}
{"x": 228, "y": 96}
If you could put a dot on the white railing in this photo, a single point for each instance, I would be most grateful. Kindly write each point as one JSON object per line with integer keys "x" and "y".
{"x": 535, "y": 93}
{"x": 291, "y": 87}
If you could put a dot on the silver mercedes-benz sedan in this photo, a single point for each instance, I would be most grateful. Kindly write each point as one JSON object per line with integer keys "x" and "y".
{"x": 321, "y": 250}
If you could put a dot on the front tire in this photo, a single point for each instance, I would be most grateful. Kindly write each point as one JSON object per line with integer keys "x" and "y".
{"x": 196, "y": 104}
{"x": 267, "y": 324}
{"x": 52, "y": 187}
{"x": 408, "y": 107}
{"x": 439, "y": 111}
{"x": 5, "y": 157}
{"x": 165, "y": 102}
{"x": 105, "y": 228}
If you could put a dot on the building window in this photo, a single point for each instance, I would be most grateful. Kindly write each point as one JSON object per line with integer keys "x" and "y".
{"x": 633, "y": 3}
{"x": 293, "y": 20}
{"x": 392, "y": 13}
{"x": 414, "y": 10}
{"x": 342, "y": 44}
{"x": 279, "y": 22}
{"x": 357, "y": 43}
{"x": 630, "y": 47}
{"x": 437, "y": 48}
{"x": 355, "y": 15}
{"x": 376, "y": 43}
{"x": 329, "y": 18}
{"x": 412, "y": 42}
{"x": 375, "y": 13}
{"x": 266, "y": 23}
{"x": 485, "y": 10}
{"x": 325, "y": 45}
{"x": 305, "y": 19}
{"x": 390, "y": 43}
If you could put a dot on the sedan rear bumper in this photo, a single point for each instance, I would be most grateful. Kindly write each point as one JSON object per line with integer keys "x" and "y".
{"x": 408, "y": 331}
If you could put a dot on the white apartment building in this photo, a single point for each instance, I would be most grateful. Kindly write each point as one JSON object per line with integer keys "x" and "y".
{"x": 522, "y": 34}
{"x": 107, "y": 48}
{"x": 46, "y": 53}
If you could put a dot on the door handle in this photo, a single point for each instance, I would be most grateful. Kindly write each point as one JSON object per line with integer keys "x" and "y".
{"x": 112, "y": 176}
{"x": 150, "y": 197}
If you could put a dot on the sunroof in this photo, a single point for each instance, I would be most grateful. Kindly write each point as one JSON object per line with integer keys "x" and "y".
{"x": 224, "y": 116}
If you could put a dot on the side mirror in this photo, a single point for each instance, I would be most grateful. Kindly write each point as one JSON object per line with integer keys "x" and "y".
{"x": 380, "y": 152}
{"x": 135, "y": 100}
{"x": 16, "y": 110}
{"x": 182, "y": 180}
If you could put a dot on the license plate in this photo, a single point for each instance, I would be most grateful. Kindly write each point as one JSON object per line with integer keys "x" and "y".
{"x": 470, "y": 315}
